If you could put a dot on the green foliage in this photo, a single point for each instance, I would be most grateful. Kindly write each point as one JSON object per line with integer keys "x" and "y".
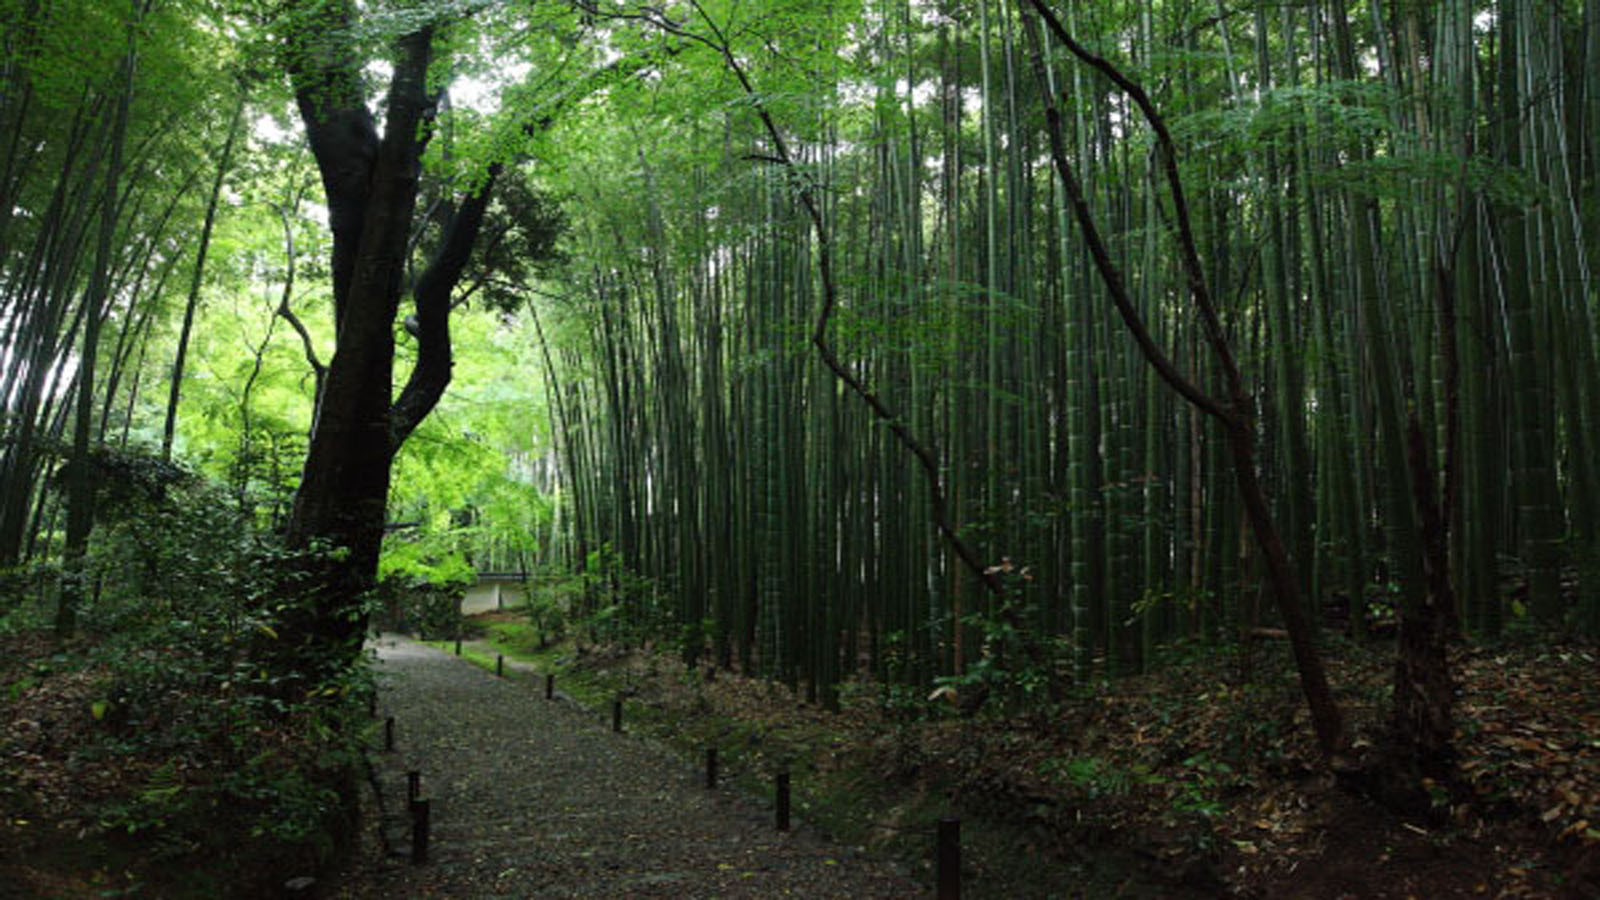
{"x": 687, "y": 429}
{"x": 1396, "y": 177}
{"x": 239, "y": 758}
{"x": 1017, "y": 666}
{"x": 220, "y": 748}
{"x": 1093, "y": 776}
{"x": 415, "y": 562}
{"x": 169, "y": 549}
{"x": 522, "y": 230}
{"x": 475, "y": 477}
{"x": 416, "y": 606}
{"x": 1199, "y": 786}
{"x": 549, "y": 603}
{"x": 420, "y": 588}
{"x": 20, "y": 584}
{"x": 621, "y": 605}
{"x": 520, "y": 640}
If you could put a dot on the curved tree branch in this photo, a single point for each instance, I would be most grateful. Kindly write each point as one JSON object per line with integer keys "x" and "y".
{"x": 286, "y": 311}
{"x": 431, "y": 374}
{"x": 1235, "y": 415}
{"x": 1193, "y": 270}
{"x": 805, "y": 190}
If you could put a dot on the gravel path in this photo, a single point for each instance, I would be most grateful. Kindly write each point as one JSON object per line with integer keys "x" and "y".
{"x": 533, "y": 798}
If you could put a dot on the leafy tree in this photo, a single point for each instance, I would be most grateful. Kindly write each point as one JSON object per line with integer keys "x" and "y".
{"x": 371, "y": 186}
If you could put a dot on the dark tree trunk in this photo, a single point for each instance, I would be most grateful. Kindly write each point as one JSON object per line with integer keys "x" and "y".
{"x": 81, "y": 481}
{"x": 1422, "y": 723}
{"x": 371, "y": 189}
{"x": 1424, "y": 692}
{"x": 1233, "y": 413}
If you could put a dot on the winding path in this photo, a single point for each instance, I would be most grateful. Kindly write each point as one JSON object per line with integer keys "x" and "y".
{"x": 533, "y": 798}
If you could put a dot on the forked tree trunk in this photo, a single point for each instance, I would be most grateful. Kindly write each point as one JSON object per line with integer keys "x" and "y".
{"x": 371, "y": 189}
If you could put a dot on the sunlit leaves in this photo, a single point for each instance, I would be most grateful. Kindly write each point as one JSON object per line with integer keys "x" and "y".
{"x": 469, "y": 476}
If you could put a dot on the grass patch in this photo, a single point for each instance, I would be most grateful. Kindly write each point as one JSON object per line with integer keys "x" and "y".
{"x": 518, "y": 642}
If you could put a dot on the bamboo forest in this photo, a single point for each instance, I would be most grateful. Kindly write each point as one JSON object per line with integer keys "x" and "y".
{"x": 1162, "y": 436}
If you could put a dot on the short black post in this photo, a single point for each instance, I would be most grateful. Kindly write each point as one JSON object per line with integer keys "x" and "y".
{"x": 499, "y": 666}
{"x": 949, "y": 859}
{"x": 413, "y": 785}
{"x": 388, "y": 733}
{"x": 783, "y": 801}
{"x": 372, "y": 702}
{"x": 711, "y": 767}
{"x": 616, "y": 715}
{"x": 419, "y": 831}
{"x": 549, "y": 685}
{"x": 458, "y": 645}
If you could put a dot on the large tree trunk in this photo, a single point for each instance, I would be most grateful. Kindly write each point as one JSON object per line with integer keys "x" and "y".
{"x": 371, "y": 189}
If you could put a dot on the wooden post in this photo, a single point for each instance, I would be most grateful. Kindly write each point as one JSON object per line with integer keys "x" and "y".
{"x": 388, "y": 733}
{"x": 458, "y": 645}
{"x": 616, "y": 715}
{"x": 499, "y": 666}
{"x": 419, "y": 831}
{"x": 413, "y": 786}
{"x": 949, "y": 859}
{"x": 783, "y": 801}
{"x": 711, "y": 767}
{"x": 549, "y": 685}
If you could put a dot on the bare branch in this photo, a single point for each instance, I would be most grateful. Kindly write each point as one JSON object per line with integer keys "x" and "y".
{"x": 805, "y": 190}
{"x": 285, "y": 309}
{"x": 1187, "y": 244}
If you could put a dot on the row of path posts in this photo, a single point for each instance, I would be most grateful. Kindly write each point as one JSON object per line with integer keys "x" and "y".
{"x": 947, "y": 835}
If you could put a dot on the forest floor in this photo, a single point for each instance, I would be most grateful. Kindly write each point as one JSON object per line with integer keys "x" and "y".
{"x": 1200, "y": 780}
{"x": 1197, "y": 780}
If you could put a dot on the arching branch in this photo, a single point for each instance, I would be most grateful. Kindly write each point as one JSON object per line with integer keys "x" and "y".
{"x": 1235, "y": 413}
{"x": 285, "y": 310}
{"x": 805, "y": 190}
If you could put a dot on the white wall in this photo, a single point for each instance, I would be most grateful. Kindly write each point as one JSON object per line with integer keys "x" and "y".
{"x": 490, "y": 594}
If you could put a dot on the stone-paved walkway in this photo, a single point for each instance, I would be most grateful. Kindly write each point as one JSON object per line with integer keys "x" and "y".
{"x": 536, "y": 798}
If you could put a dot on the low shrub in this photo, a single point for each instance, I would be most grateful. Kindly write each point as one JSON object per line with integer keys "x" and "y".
{"x": 185, "y": 733}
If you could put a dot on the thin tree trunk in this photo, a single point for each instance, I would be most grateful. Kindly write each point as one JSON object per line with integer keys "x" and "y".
{"x": 224, "y": 161}
{"x": 81, "y": 484}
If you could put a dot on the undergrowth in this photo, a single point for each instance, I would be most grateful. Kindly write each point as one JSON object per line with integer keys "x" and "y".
{"x": 164, "y": 750}
{"x": 1198, "y": 779}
